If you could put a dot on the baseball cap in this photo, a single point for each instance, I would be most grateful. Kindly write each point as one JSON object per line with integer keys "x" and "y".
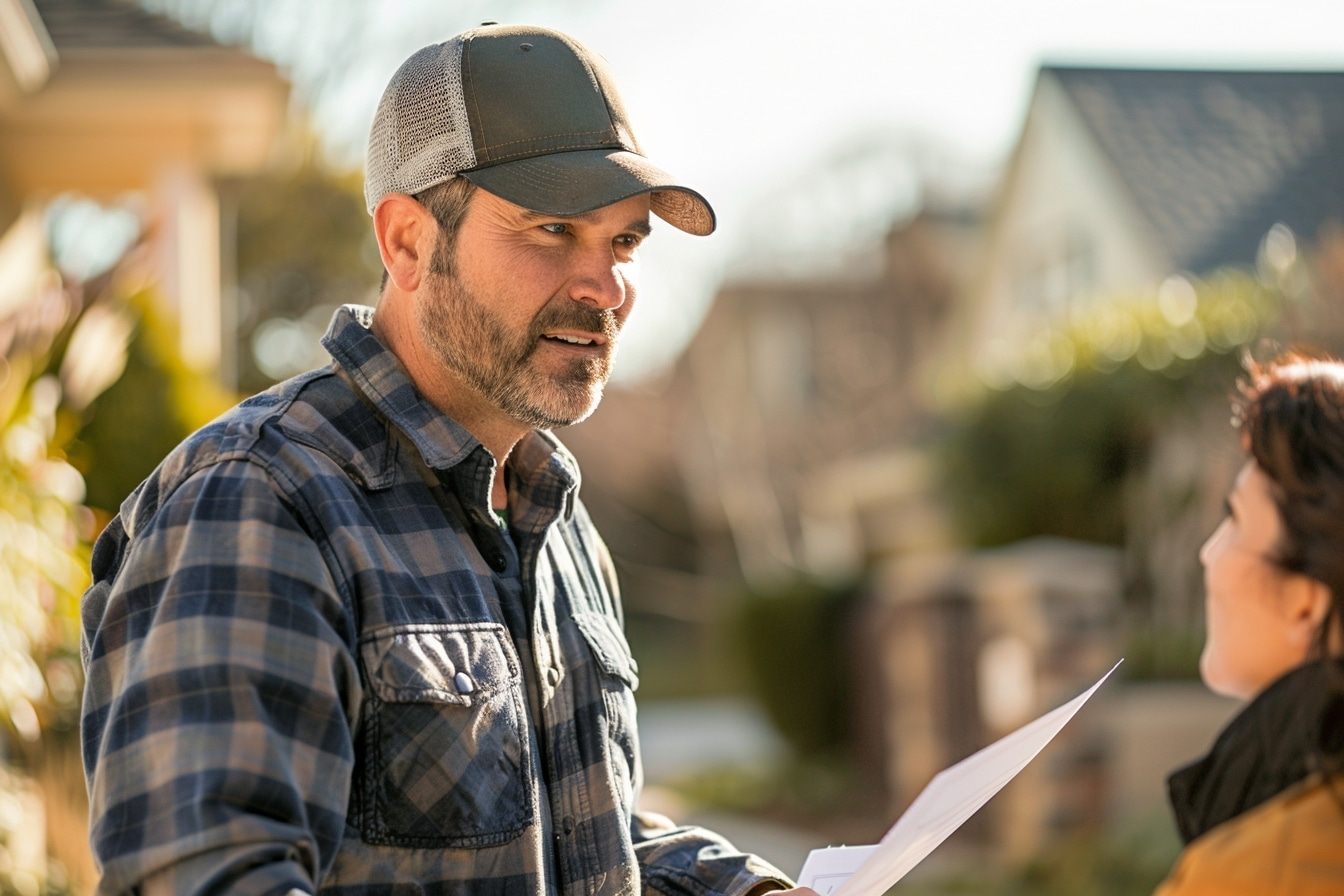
{"x": 526, "y": 113}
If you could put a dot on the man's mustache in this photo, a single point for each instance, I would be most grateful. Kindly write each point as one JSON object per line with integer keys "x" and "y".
{"x": 572, "y": 316}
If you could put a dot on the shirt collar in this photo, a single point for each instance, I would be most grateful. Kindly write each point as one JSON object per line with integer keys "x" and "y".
{"x": 544, "y": 470}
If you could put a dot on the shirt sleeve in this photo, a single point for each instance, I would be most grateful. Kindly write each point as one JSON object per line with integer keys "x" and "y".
{"x": 683, "y": 859}
{"x": 690, "y": 860}
{"x": 221, "y": 695}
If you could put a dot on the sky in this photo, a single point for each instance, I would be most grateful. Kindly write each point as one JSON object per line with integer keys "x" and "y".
{"x": 809, "y": 130}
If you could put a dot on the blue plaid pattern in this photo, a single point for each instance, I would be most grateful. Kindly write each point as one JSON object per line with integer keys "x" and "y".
{"x": 299, "y": 673}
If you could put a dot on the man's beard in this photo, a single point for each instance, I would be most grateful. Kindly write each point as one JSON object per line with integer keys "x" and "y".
{"x": 475, "y": 344}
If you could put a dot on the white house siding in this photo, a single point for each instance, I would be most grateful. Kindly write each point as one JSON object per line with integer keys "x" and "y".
{"x": 1065, "y": 234}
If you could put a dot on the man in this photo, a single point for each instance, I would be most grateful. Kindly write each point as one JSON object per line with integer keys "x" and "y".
{"x": 359, "y": 634}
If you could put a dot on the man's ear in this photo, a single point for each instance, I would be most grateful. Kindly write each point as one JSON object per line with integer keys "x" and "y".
{"x": 406, "y": 232}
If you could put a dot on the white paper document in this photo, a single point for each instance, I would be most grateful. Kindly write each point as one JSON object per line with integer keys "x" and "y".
{"x": 954, "y": 795}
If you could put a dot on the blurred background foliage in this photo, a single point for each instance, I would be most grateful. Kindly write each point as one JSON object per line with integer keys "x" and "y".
{"x": 1052, "y": 450}
{"x": 62, "y": 349}
{"x": 304, "y": 248}
{"x": 158, "y": 400}
{"x": 808, "y": 701}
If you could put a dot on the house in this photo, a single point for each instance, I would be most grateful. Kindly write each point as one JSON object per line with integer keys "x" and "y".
{"x": 103, "y": 99}
{"x": 1122, "y": 181}
{"x": 1123, "y": 177}
{"x": 803, "y": 392}
{"x": 1127, "y": 179}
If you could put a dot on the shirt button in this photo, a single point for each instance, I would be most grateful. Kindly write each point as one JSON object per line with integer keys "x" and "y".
{"x": 464, "y": 683}
{"x": 553, "y": 676}
{"x": 498, "y": 562}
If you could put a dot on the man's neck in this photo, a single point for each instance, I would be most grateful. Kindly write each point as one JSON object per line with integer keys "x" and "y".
{"x": 499, "y": 489}
{"x": 496, "y": 432}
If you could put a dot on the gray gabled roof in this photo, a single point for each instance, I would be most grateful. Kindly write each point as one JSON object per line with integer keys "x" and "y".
{"x": 1213, "y": 159}
{"x": 113, "y": 25}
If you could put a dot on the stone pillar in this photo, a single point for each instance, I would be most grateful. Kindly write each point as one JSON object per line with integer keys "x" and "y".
{"x": 980, "y": 644}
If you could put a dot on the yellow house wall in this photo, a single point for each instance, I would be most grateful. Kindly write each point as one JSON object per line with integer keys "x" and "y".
{"x": 163, "y": 123}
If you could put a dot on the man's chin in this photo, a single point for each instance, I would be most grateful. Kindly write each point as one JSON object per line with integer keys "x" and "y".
{"x": 577, "y": 415}
{"x": 560, "y": 413}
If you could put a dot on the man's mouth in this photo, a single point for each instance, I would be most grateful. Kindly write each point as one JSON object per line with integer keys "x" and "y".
{"x": 575, "y": 339}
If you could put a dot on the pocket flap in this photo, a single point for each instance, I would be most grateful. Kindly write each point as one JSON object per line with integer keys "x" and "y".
{"x": 608, "y": 642}
{"x": 438, "y": 663}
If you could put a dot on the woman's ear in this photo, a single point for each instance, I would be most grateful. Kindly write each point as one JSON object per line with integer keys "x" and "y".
{"x": 405, "y": 233}
{"x": 1308, "y": 606}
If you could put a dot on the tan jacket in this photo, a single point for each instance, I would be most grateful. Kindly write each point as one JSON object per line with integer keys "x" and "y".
{"x": 1292, "y": 845}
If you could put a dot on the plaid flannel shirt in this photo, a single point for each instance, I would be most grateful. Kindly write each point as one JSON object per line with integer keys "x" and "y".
{"x": 300, "y": 676}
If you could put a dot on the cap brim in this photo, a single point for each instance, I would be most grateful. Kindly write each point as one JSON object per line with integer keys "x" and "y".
{"x": 572, "y": 183}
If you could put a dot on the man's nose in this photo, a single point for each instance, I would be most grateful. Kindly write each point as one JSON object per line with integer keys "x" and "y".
{"x": 599, "y": 280}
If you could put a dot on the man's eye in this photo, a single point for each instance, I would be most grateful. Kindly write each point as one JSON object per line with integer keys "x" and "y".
{"x": 555, "y": 227}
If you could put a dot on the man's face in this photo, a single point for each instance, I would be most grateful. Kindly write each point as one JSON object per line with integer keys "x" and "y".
{"x": 528, "y": 308}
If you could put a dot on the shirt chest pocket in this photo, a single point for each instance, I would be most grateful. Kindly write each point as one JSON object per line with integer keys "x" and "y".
{"x": 445, "y": 745}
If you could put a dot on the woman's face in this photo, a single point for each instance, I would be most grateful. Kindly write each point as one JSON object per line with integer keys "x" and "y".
{"x": 1260, "y": 617}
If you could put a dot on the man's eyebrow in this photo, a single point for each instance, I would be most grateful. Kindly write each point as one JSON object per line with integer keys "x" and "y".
{"x": 640, "y": 226}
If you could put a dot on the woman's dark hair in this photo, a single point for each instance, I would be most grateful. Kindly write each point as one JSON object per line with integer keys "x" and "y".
{"x": 1291, "y": 414}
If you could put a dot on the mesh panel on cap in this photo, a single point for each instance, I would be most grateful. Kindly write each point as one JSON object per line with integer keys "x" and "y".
{"x": 420, "y": 134}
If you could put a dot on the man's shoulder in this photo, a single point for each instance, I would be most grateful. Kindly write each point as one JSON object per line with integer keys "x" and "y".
{"x": 305, "y": 429}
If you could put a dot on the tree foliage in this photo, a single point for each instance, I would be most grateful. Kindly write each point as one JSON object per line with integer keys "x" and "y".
{"x": 157, "y": 401}
{"x": 1050, "y": 453}
{"x": 61, "y": 348}
{"x": 305, "y": 246}
{"x": 92, "y": 389}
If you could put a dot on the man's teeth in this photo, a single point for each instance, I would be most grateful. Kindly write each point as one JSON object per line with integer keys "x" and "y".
{"x": 573, "y": 340}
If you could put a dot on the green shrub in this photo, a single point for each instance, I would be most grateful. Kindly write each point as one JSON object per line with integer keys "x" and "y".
{"x": 158, "y": 401}
{"x": 792, "y": 646}
{"x": 1051, "y": 450}
{"x": 1161, "y": 654}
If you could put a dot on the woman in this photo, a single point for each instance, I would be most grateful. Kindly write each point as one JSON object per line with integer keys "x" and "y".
{"x": 1263, "y": 812}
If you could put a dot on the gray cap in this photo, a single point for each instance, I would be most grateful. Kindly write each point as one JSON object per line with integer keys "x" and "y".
{"x": 525, "y": 113}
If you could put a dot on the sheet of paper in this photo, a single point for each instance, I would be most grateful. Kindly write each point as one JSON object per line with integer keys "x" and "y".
{"x": 954, "y": 795}
{"x": 826, "y": 869}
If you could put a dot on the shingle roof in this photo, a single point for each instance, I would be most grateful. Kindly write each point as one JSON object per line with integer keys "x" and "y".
{"x": 1215, "y": 158}
{"x": 113, "y": 24}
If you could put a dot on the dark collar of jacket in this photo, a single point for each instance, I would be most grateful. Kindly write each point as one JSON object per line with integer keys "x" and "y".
{"x": 1280, "y": 738}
